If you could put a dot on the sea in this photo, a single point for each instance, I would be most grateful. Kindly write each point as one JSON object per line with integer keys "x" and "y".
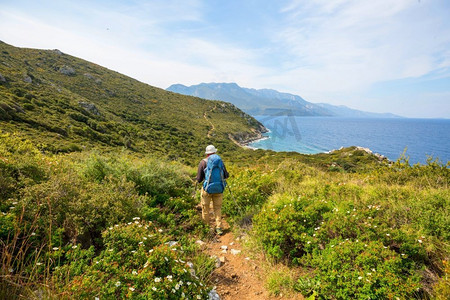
{"x": 417, "y": 139}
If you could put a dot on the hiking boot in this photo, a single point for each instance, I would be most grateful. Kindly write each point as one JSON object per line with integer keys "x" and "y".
{"x": 219, "y": 231}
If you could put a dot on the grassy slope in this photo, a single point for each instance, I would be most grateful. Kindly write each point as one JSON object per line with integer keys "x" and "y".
{"x": 41, "y": 98}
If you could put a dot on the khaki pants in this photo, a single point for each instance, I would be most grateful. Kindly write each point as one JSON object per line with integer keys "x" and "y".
{"x": 216, "y": 200}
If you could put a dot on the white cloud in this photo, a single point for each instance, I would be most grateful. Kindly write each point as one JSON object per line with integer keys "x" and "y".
{"x": 346, "y": 46}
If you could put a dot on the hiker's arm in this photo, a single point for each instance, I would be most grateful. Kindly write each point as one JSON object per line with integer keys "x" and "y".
{"x": 201, "y": 172}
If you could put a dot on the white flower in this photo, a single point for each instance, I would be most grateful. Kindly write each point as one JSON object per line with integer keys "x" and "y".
{"x": 55, "y": 248}
{"x": 387, "y": 234}
{"x": 177, "y": 286}
{"x": 33, "y": 233}
{"x": 173, "y": 291}
{"x": 140, "y": 243}
{"x": 38, "y": 263}
{"x": 150, "y": 251}
{"x": 309, "y": 242}
{"x": 134, "y": 272}
{"x": 360, "y": 277}
{"x": 169, "y": 277}
{"x": 369, "y": 274}
{"x": 11, "y": 270}
{"x": 154, "y": 288}
{"x": 420, "y": 241}
{"x": 160, "y": 230}
{"x": 183, "y": 295}
{"x": 118, "y": 283}
{"x": 199, "y": 297}
{"x": 133, "y": 251}
{"x": 131, "y": 288}
{"x": 188, "y": 283}
{"x": 166, "y": 259}
{"x": 145, "y": 238}
{"x": 146, "y": 264}
{"x": 129, "y": 223}
{"x": 96, "y": 298}
{"x": 74, "y": 247}
{"x": 157, "y": 279}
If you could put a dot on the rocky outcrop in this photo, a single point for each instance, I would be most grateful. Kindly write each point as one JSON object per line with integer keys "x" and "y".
{"x": 66, "y": 70}
{"x": 90, "y": 108}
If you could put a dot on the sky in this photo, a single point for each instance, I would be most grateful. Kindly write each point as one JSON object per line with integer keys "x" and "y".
{"x": 374, "y": 55}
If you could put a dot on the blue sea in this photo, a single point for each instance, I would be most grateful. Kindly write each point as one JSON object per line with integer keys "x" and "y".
{"x": 390, "y": 137}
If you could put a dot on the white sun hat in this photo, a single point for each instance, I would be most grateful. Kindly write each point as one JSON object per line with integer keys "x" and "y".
{"x": 210, "y": 149}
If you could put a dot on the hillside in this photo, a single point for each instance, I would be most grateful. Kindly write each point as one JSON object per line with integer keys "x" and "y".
{"x": 67, "y": 104}
{"x": 269, "y": 102}
{"x": 97, "y": 200}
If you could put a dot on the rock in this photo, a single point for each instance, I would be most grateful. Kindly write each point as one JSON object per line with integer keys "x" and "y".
{"x": 224, "y": 251}
{"x": 90, "y": 108}
{"x": 234, "y": 276}
{"x": 212, "y": 295}
{"x": 224, "y": 247}
{"x": 27, "y": 79}
{"x": 57, "y": 52}
{"x": 218, "y": 261}
{"x": 235, "y": 252}
{"x": 2, "y": 79}
{"x": 222, "y": 259}
{"x": 232, "y": 243}
{"x": 200, "y": 242}
{"x": 66, "y": 70}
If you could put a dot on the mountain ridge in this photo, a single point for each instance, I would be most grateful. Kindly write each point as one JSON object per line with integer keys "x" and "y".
{"x": 269, "y": 101}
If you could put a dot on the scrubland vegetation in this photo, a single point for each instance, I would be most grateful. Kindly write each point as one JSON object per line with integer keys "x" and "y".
{"x": 96, "y": 183}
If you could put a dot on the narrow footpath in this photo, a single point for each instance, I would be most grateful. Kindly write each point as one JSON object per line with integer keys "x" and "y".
{"x": 238, "y": 276}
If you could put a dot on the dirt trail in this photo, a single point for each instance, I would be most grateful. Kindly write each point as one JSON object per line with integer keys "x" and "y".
{"x": 210, "y": 123}
{"x": 238, "y": 277}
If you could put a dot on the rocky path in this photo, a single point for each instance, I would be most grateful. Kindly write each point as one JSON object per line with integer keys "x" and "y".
{"x": 238, "y": 276}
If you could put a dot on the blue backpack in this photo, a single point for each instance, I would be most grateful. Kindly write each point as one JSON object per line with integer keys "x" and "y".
{"x": 214, "y": 182}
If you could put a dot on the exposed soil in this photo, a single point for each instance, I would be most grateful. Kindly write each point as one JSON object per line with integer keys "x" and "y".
{"x": 239, "y": 277}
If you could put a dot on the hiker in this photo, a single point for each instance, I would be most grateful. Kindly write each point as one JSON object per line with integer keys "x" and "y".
{"x": 212, "y": 171}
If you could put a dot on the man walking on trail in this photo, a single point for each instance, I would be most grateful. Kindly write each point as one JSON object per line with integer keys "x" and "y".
{"x": 212, "y": 171}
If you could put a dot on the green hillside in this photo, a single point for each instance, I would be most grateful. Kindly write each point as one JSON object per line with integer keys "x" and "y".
{"x": 67, "y": 104}
{"x": 97, "y": 197}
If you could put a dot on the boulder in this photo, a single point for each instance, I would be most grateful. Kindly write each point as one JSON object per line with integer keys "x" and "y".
{"x": 66, "y": 70}
{"x": 27, "y": 79}
{"x": 90, "y": 108}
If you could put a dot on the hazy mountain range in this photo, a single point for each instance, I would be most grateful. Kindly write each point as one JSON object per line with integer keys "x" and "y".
{"x": 269, "y": 102}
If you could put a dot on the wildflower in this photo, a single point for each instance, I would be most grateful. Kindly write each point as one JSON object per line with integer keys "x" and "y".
{"x": 146, "y": 264}
{"x": 369, "y": 274}
{"x": 188, "y": 283}
{"x": 373, "y": 270}
{"x": 304, "y": 220}
{"x": 169, "y": 277}
{"x": 183, "y": 295}
{"x": 173, "y": 291}
{"x": 38, "y": 263}
{"x": 136, "y": 222}
{"x": 33, "y": 233}
{"x": 150, "y": 251}
{"x": 160, "y": 230}
{"x": 166, "y": 259}
{"x": 140, "y": 243}
{"x": 314, "y": 234}
{"x": 116, "y": 225}
{"x": 309, "y": 242}
{"x": 134, "y": 272}
{"x": 110, "y": 250}
{"x": 74, "y": 247}
{"x": 145, "y": 238}
{"x": 131, "y": 288}
{"x": 133, "y": 251}
{"x": 199, "y": 297}
{"x": 11, "y": 270}
{"x": 360, "y": 277}
{"x": 387, "y": 234}
{"x": 157, "y": 279}
{"x": 118, "y": 283}
{"x": 154, "y": 289}
{"x": 110, "y": 228}
{"x": 180, "y": 283}
{"x": 420, "y": 241}
{"x": 129, "y": 223}
{"x": 55, "y": 248}
{"x": 177, "y": 286}
{"x": 332, "y": 246}
{"x": 96, "y": 298}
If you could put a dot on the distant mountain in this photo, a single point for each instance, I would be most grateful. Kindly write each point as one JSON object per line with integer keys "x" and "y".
{"x": 268, "y": 102}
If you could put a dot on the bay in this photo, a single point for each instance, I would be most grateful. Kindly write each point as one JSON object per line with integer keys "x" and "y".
{"x": 420, "y": 138}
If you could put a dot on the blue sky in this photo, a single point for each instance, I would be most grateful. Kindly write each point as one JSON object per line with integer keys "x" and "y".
{"x": 374, "y": 55}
